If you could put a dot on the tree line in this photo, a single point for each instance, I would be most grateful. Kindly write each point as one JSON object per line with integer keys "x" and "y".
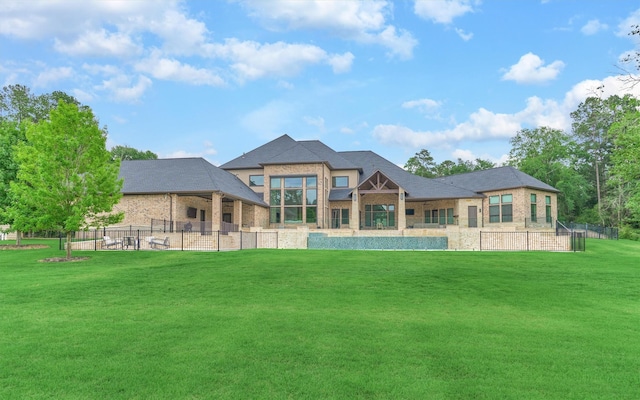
{"x": 56, "y": 173}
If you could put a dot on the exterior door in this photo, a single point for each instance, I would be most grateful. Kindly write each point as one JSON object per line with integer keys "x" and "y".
{"x": 473, "y": 216}
{"x": 335, "y": 218}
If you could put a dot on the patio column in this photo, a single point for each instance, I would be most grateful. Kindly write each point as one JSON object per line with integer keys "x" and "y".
{"x": 237, "y": 213}
{"x": 402, "y": 215}
{"x": 354, "y": 221}
{"x": 216, "y": 211}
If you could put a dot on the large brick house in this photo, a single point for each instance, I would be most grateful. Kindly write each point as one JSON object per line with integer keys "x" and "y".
{"x": 287, "y": 184}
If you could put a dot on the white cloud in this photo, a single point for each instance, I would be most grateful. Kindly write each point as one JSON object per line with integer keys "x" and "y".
{"x": 464, "y": 35}
{"x": 360, "y": 21}
{"x": 181, "y": 35}
{"x": 318, "y": 122}
{"x": 82, "y": 96}
{"x": 341, "y": 63}
{"x": 424, "y": 105}
{"x": 531, "y": 69}
{"x": 443, "y": 11}
{"x": 121, "y": 88}
{"x": 99, "y": 43}
{"x": 251, "y": 60}
{"x": 40, "y": 19}
{"x": 593, "y": 26}
{"x": 174, "y": 70}
{"x": 52, "y": 75}
{"x": 626, "y": 25}
{"x": 484, "y": 125}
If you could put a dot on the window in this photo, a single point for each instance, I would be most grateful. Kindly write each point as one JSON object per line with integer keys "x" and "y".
{"x": 312, "y": 181}
{"x": 340, "y": 181}
{"x": 439, "y": 216}
{"x": 494, "y": 213}
{"x": 295, "y": 198}
{"x": 379, "y": 215}
{"x": 339, "y": 218}
{"x": 345, "y": 216}
{"x": 312, "y": 215}
{"x": 534, "y": 208}
{"x": 256, "y": 180}
{"x": 547, "y": 202}
{"x": 500, "y": 208}
{"x": 507, "y": 208}
{"x": 409, "y": 211}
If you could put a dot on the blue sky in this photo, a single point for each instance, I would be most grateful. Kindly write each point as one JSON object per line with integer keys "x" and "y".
{"x": 219, "y": 78}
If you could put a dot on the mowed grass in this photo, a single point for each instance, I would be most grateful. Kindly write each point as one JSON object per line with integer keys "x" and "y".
{"x": 322, "y": 324}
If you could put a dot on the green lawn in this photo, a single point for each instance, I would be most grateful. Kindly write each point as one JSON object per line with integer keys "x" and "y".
{"x": 322, "y": 324}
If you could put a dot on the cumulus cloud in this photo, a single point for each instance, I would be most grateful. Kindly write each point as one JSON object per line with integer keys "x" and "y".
{"x": 360, "y": 21}
{"x": 464, "y": 35}
{"x": 593, "y": 26}
{"x": 531, "y": 69}
{"x": 52, "y": 75}
{"x": 252, "y": 60}
{"x": 443, "y": 11}
{"x": 484, "y": 125}
{"x": 99, "y": 43}
{"x": 424, "y": 105}
{"x": 122, "y": 88}
{"x": 174, "y": 70}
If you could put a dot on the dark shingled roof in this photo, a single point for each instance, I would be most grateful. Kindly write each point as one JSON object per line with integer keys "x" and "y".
{"x": 285, "y": 150}
{"x": 417, "y": 187}
{"x": 183, "y": 176}
{"x": 496, "y": 179}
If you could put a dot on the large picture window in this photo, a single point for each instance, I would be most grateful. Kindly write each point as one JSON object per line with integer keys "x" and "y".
{"x": 293, "y": 200}
{"x": 379, "y": 215}
{"x": 501, "y": 208}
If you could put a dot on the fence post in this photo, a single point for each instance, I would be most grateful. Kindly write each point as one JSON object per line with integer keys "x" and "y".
{"x": 240, "y": 240}
{"x": 527, "y": 240}
{"x": 182, "y": 240}
{"x": 95, "y": 240}
{"x": 480, "y": 241}
{"x": 218, "y": 233}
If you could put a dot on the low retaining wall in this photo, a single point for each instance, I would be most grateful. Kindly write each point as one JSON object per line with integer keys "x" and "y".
{"x": 322, "y": 241}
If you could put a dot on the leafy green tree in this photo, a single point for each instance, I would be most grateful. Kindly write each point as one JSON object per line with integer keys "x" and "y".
{"x": 129, "y": 153}
{"x": 591, "y": 123}
{"x": 19, "y": 107}
{"x": 421, "y": 164}
{"x": 11, "y": 133}
{"x": 546, "y": 154}
{"x": 449, "y": 167}
{"x": 66, "y": 180}
{"x": 626, "y": 168}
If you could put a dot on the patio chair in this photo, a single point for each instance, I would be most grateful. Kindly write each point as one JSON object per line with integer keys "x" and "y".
{"x": 109, "y": 243}
{"x": 157, "y": 243}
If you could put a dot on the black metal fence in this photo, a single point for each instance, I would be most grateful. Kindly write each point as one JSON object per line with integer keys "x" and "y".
{"x": 532, "y": 241}
{"x": 593, "y": 231}
{"x": 147, "y": 239}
